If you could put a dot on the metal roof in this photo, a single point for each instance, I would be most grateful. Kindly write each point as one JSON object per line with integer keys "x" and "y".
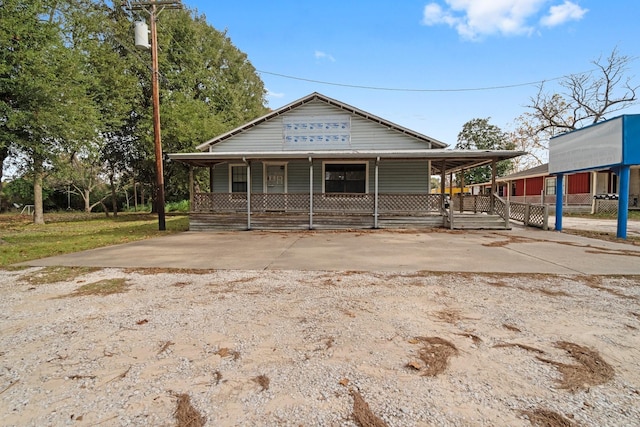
{"x": 540, "y": 170}
{"x": 442, "y": 159}
{"x": 319, "y": 97}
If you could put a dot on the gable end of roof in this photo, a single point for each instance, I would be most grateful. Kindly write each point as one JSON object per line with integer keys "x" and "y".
{"x": 330, "y": 101}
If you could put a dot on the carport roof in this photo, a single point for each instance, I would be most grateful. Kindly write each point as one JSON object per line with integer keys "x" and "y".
{"x": 442, "y": 159}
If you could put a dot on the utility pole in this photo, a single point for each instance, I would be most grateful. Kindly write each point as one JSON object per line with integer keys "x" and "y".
{"x": 151, "y": 7}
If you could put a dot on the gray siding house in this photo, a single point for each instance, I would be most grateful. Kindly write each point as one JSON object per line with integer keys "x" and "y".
{"x": 320, "y": 163}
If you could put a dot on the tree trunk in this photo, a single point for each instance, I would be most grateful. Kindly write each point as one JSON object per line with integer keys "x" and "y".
{"x": 106, "y": 209}
{"x": 87, "y": 202}
{"x": 114, "y": 197}
{"x": 135, "y": 196}
{"x": 4, "y": 153}
{"x": 38, "y": 178}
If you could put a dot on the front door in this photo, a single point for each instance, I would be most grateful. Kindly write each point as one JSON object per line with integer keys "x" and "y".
{"x": 275, "y": 179}
{"x": 275, "y": 187}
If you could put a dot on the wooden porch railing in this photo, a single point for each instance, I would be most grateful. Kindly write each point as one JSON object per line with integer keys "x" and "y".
{"x": 568, "y": 199}
{"x": 345, "y": 203}
{"x": 535, "y": 215}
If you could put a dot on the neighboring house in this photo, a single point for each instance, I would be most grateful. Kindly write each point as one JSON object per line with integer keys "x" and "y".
{"x": 581, "y": 189}
{"x": 320, "y": 163}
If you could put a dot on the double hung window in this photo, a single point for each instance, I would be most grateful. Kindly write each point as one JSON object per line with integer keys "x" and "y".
{"x": 238, "y": 179}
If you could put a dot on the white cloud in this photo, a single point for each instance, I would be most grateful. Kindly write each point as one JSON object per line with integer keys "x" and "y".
{"x": 475, "y": 19}
{"x": 271, "y": 94}
{"x": 433, "y": 14}
{"x": 324, "y": 56}
{"x": 558, "y": 15}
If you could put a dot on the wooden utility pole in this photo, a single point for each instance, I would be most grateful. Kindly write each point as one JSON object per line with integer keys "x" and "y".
{"x": 151, "y": 7}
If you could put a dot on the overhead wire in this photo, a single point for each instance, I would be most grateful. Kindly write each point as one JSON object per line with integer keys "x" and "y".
{"x": 394, "y": 89}
{"x": 391, "y": 89}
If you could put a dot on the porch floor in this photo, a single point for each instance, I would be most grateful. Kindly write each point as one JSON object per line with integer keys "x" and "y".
{"x": 203, "y": 221}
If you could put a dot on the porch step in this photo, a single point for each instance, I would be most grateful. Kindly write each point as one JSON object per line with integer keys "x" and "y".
{"x": 467, "y": 221}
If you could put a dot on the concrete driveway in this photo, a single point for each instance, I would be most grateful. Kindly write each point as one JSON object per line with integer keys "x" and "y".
{"x": 517, "y": 251}
{"x": 596, "y": 224}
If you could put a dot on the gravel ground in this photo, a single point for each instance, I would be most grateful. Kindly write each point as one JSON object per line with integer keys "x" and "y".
{"x": 264, "y": 348}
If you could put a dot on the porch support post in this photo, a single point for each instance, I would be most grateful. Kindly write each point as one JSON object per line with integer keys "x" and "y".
{"x": 461, "y": 190}
{"x": 494, "y": 172}
{"x": 623, "y": 201}
{"x": 375, "y": 195}
{"x": 594, "y": 185}
{"x": 191, "y": 188}
{"x": 310, "y": 193}
{"x": 443, "y": 176}
{"x": 559, "y": 193}
{"x": 248, "y": 194}
{"x": 211, "y": 179}
{"x": 451, "y": 186}
{"x": 429, "y": 177}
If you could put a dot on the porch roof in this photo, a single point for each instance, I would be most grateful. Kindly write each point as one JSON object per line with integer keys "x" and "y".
{"x": 442, "y": 159}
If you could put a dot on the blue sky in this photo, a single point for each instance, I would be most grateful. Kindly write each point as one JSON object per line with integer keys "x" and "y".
{"x": 438, "y": 45}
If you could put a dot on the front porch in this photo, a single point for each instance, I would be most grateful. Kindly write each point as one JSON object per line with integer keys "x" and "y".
{"x": 318, "y": 211}
{"x": 315, "y": 211}
{"x": 336, "y": 190}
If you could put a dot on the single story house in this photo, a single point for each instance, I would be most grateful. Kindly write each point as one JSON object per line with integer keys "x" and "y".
{"x": 320, "y": 163}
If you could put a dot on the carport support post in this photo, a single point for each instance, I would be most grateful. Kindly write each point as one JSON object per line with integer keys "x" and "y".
{"x": 623, "y": 201}
{"x": 559, "y": 193}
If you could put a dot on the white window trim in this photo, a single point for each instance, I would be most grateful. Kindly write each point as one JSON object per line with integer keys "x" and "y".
{"x": 264, "y": 175}
{"x": 231, "y": 166}
{"x": 347, "y": 162}
{"x": 546, "y": 187}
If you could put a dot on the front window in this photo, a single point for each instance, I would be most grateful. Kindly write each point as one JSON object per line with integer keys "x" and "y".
{"x": 550, "y": 186}
{"x": 239, "y": 179}
{"x": 345, "y": 178}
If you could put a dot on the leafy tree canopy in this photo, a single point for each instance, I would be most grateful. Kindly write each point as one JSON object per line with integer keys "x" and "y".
{"x": 479, "y": 134}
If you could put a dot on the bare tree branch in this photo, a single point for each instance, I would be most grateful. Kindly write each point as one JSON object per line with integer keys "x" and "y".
{"x": 586, "y": 98}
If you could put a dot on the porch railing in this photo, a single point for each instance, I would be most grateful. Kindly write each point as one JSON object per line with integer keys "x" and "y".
{"x": 534, "y": 215}
{"x": 567, "y": 199}
{"x": 530, "y": 214}
{"x": 346, "y": 203}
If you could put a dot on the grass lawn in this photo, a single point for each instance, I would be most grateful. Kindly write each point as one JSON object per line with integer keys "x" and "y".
{"x": 21, "y": 240}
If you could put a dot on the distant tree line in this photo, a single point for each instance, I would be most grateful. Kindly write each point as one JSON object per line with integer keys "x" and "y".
{"x": 75, "y": 99}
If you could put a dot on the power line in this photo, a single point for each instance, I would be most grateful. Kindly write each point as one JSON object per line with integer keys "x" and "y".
{"x": 472, "y": 89}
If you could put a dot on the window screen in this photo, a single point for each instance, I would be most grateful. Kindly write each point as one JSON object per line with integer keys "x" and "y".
{"x": 550, "y": 186}
{"x": 345, "y": 178}
{"x": 238, "y": 179}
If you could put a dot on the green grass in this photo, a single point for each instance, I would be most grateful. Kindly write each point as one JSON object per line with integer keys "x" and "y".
{"x": 57, "y": 274}
{"x": 102, "y": 288}
{"x": 21, "y": 240}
